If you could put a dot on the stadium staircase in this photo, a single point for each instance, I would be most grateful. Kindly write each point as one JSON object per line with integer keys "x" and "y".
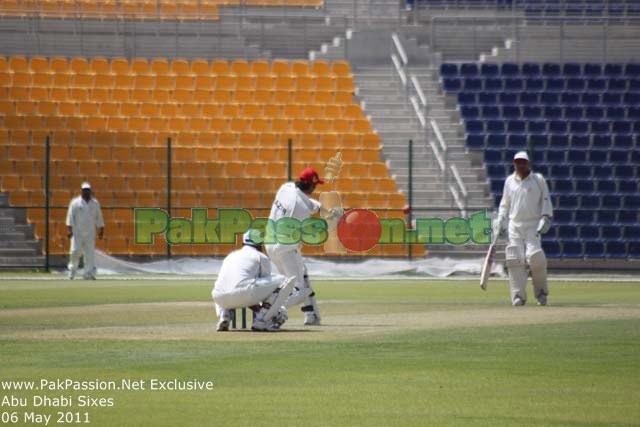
{"x": 18, "y": 246}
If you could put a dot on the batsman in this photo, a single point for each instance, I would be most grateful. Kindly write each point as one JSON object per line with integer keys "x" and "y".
{"x": 525, "y": 212}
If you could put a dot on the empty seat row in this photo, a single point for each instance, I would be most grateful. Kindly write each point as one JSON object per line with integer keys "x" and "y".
{"x": 591, "y": 249}
{"x": 551, "y": 84}
{"x": 566, "y": 157}
{"x": 176, "y": 67}
{"x": 556, "y": 126}
{"x": 555, "y": 142}
{"x": 569, "y": 216}
{"x": 574, "y": 171}
{"x": 541, "y": 99}
{"x": 567, "y": 186}
{"x": 193, "y": 110}
{"x": 529, "y": 112}
{"x": 527, "y": 69}
{"x": 594, "y": 232}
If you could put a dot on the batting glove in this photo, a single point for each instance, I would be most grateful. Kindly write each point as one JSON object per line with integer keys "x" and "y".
{"x": 544, "y": 225}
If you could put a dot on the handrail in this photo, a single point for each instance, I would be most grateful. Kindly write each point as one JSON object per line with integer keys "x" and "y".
{"x": 399, "y": 70}
{"x": 418, "y": 89}
{"x": 416, "y": 107}
{"x": 399, "y": 48}
{"x": 439, "y": 137}
{"x": 456, "y": 198}
{"x": 438, "y": 156}
{"x": 459, "y": 181}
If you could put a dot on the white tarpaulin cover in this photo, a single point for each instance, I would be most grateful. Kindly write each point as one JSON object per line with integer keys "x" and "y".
{"x": 430, "y": 267}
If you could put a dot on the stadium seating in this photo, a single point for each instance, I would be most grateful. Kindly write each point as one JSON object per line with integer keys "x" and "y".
{"x": 229, "y": 123}
{"x": 581, "y": 123}
{"x": 137, "y": 9}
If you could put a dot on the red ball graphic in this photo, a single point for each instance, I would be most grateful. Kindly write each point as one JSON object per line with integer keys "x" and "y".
{"x": 359, "y": 230}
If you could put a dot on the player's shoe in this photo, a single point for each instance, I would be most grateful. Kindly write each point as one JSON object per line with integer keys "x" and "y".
{"x": 542, "y": 299}
{"x": 71, "y": 276}
{"x": 223, "y": 325}
{"x": 262, "y": 326}
{"x": 311, "y": 319}
{"x": 517, "y": 301}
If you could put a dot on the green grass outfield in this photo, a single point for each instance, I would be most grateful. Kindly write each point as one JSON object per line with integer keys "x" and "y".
{"x": 421, "y": 353}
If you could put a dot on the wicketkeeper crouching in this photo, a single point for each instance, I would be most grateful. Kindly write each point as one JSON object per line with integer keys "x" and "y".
{"x": 526, "y": 207}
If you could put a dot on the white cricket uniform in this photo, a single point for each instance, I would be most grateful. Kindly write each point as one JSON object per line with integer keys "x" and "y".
{"x": 524, "y": 202}
{"x": 244, "y": 280}
{"x": 291, "y": 202}
{"x": 83, "y": 218}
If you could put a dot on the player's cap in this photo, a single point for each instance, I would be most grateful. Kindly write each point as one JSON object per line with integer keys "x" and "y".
{"x": 310, "y": 176}
{"x": 246, "y": 239}
{"x": 86, "y": 186}
{"x": 521, "y": 155}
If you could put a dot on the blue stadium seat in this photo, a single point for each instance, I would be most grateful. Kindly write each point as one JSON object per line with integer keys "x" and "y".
{"x": 573, "y": 113}
{"x": 624, "y": 142}
{"x": 628, "y": 186}
{"x": 631, "y": 98}
{"x": 556, "y": 156}
{"x": 567, "y": 232}
{"x": 496, "y": 171}
{"x": 448, "y": 70}
{"x": 633, "y": 113}
{"x": 594, "y": 113}
{"x": 589, "y": 232}
{"x": 496, "y": 186}
{"x": 590, "y": 98}
{"x": 628, "y": 217}
{"x": 516, "y": 126}
{"x": 555, "y": 85}
{"x": 610, "y": 232}
{"x": 593, "y": 249}
{"x": 576, "y": 84}
{"x": 530, "y": 69}
{"x": 632, "y": 70}
{"x": 493, "y": 85}
{"x": 581, "y": 172}
{"x": 489, "y": 70}
{"x": 625, "y": 172}
{"x": 578, "y": 126}
{"x": 576, "y": 156}
{"x": 634, "y": 157}
{"x": 517, "y": 143}
{"x": 580, "y": 141}
{"x": 469, "y": 70}
{"x": 634, "y": 85}
{"x": 534, "y": 85}
{"x": 538, "y": 142}
{"x": 466, "y": 98}
{"x": 497, "y": 141}
{"x": 563, "y": 216}
{"x": 616, "y": 112}
{"x": 475, "y": 141}
{"x": 551, "y": 69}
{"x": 606, "y": 217}
{"x": 493, "y": 156}
{"x": 606, "y": 187}
{"x": 487, "y": 98}
{"x": 552, "y": 113}
{"x": 613, "y": 70}
{"x": 557, "y": 126}
{"x": 601, "y": 141}
{"x": 597, "y": 156}
{"x": 511, "y": 112}
{"x": 537, "y": 156}
{"x": 474, "y": 126}
{"x": 631, "y": 232}
{"x": 562, "y": 186}
{"x": 495, "y": 126}
{"x": 572, "y": 249}
{"x": 611, "y": 202}
{"x": 634, "y": 250}
{"x": 559, "y": 141}
{"x": 570, "y": 98}
{"x": 531, "y": 113}
{"x": 567, "y": 201}
{"x": 513, "y": 85}
{"x": 508, "y": 98}
{"x": 452, "y": 84}
{"x": 542, "y": 169}
{"x": 597, "y": 84}
{"x": 612, "y": 99}
{"x": 551, "y": 248}
{"x": 617, "y": 85}
{"x": 490, "y": 112}
{"x": 601, "y": 127}
{"x": 549, "y": 98}
{"x": 585, "y": 186}
{"x": 621, "y": 127}
{"x": 584, "y": 216}
{"x": 529, "y": 98}
{"x": 592, "y": 70}
{"x": 509, "y": 69}
{"x": 571, "y": 69}
{"x": 614, "y": 249}
{"x": 472, "y": 84}
{"x": 631, "y": 202}
{"x": 469, "y": 113}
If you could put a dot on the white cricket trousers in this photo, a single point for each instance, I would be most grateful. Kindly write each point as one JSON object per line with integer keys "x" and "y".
{"x": 246, "y": 293}
{"x": 288, "y": 260}
{"x": 83, "y": 244}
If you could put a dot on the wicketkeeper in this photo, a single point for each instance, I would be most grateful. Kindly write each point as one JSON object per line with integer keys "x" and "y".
{"x": 245, "y": 280}
{"x": 526, "y": 212}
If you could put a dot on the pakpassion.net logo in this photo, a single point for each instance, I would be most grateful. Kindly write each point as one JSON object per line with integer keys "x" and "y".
{"x": 359, "y": 230}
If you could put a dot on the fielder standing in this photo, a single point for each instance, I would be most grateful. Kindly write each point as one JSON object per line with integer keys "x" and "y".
{"x": 83, "y": 216}
{"x": 526, "y": 206}
{"x": 245, "y": 280}
{"x": 294, "y": 200}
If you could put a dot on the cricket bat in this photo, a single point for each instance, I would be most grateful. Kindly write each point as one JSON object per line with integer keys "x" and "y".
{"x": 329, "y": 200}
{"x": 488, "y": 262}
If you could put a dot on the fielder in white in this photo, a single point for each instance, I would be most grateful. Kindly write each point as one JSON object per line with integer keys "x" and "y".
{"x": 526, "y": 207}
{"x": 83, "y": 216}
{"x": 245, "y": 280}
{"x": 294, "y": 200}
